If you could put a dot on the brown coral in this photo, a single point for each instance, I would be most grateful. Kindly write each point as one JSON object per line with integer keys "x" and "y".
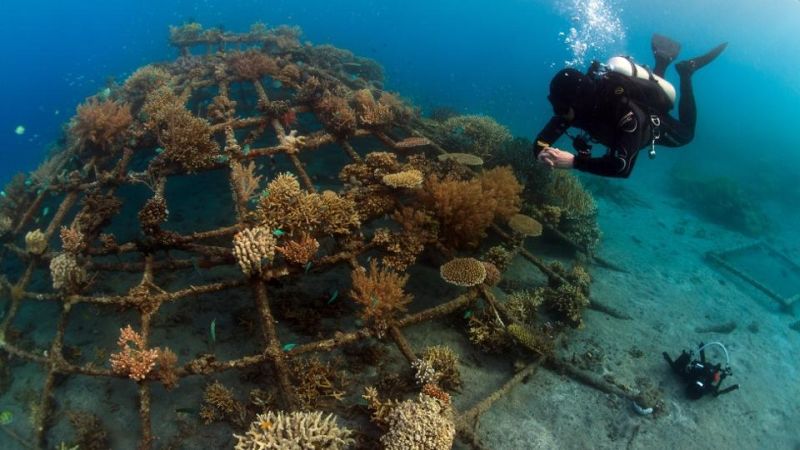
{"x": 337, "y": 114}
{"x": 100, "y": 122}
{"x": 463, "y": 272}
{"x": 380, "y": 292}
{"x": 134, "y": 360}
{"x": 370, "y": 112}
{"x": 72, "y": 240}
{"x": 153, "y": 214}
{"x": 301, "y": 250}
{"x": 251, "y": 64}
{"x": 219, "y": 404}
{"x": 186, "y": 139}
{"x": 444, "y": 362}
{"x": 244, "y": 180}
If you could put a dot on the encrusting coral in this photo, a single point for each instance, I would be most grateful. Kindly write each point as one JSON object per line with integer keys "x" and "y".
{"x": 254, "y": 249}
{"x": 133, "y": 360}
{"x": 35, "y": 242}
{"x": 294, "y": 430}
{"x": 381, "y": 294}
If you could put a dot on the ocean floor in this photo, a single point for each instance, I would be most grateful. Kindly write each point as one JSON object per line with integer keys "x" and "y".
{"x": 671, "y": 291}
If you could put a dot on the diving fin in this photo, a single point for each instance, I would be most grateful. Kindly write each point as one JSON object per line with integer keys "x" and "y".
{"x": 665, "y": 50}
{"x": 688, "y": 67}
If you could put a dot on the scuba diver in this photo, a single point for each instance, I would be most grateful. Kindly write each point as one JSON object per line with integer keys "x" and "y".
{"x": 623, "y": 106}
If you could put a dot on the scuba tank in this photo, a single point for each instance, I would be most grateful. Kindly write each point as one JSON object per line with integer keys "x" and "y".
{"x": 625, "y": 66}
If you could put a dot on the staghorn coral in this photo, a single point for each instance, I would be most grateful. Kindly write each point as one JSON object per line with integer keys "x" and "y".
{"x": 96, "y": 212}
{"x": 424, "y": 424}
{"x": 418, "y": 229}
{"x": 166, "y": 368}
{"x": 67, "y": 273}
{"x": 463, "y": 272}
{"x": 370, "y": 112}
{"x": 295, "y": 430}
{"x": 251, "y": 64}
{"x": 444, "y": 362}
{"x": 100, "y": 123}
{"x": 186, "y": 139}
{"x": 480, "y": 135}
{"x": 35, "y": 242}
{"x": 219, "y": 404}
{"x": 380, "y": 408}
{"x": 299, "y": 251}
{"x": 72, "y": 240}
{"x": 221, "y": 109}
{"x": 285, "y": 206}
{"x": 487, "y": 332}
{"x": 381, "y": 294}
{"x": 254, "y": 248}
{"x": 91, "y": 434}
{"x": 142, "y": 82}
{"x": 244, "y": 180}
{"x": 134, "y": 360}
{"x": 567, "y": 303}
{"x": 316, "y": 382}
{"x": 409, "y": 179}
{"x": 336, "y": 113}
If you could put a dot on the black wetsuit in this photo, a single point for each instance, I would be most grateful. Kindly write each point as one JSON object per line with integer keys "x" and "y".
{"x": 625, "y": 124}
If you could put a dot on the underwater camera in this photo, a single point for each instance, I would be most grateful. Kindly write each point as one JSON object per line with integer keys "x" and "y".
{"x": 700, "y": 376}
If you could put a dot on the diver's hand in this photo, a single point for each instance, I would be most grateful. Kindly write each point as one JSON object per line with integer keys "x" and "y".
{"x": 557, "y": 158}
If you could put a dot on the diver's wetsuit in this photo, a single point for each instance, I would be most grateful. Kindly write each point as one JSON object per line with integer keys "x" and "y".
{"x": 623, "y": 125}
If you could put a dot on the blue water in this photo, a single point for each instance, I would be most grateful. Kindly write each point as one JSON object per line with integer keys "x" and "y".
{"x": 480, "y": 57}
{"x": 477, "y": 57}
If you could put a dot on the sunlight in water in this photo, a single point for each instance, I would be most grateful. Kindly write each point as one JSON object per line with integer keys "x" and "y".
{"x": 596, "y": 27}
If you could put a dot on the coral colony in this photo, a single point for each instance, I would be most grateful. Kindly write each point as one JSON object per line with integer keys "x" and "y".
{"x": 410, "y": 191}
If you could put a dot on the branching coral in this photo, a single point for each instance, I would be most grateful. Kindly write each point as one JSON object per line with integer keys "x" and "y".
{"x": 283, "y": 205}
{"x": 166, "y": 368}
{"x": 134, "y": 360}
{"x": 371, "y": 113}
{"x": 100, "y": 122}
{"x": 465, "y": 209}
{"x": 142, "y": 82}
{"x": 67, "y": 273}
{"x": 219, "y": 404}
{"x": 244, "y": 180}
{"x": 409, "y": 179}
{"x": 254, "y": 249}
{"x": 295, "y": 430}
{"x": 91, "y": 434}
{"x": 186, "y": 139}
{"x": 337, "y": 114}
{"x": 381, "y": 294}
{"x": 153, "y": 214}
{"x": 72, "y": 240}
{"x": 424, "y": 424}
{"x": 418, "y": 229}
{"x": 444, "y": 362}
{"x": 97, "y": 210}
{"x": 299, "y": 251}
{"x": 251, "y": 64}
{"x": 316, "y": 382}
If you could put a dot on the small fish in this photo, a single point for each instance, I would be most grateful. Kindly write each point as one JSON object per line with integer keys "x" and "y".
{"x": 278, "y": 232}
{"x": 213, "y": 331}
{"x": 189, "y": 411}
{"x": 289, "y": 346}
{"x": 3, "y": 194}
{"x": 468, "y": 314}
{"x": 6, "y": 417}
{"x": 369, "y": 258}
{"x": 308, "y": 266}
{"x": 159, "y": 150}
{"x": 246, "y": 149}
{"x": 265, "y": 194}
{"x": 20, "y": 130}
{"x": 46, "y": 211}
{"x": 333, "y": 296}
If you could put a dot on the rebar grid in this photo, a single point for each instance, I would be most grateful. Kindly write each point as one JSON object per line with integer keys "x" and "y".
{"x": 273, "y": 353}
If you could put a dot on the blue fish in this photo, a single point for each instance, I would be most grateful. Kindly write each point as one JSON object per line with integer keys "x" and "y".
{"x": 308, "y": 266}
{"x": 289, "y": 346}
{"x": 278, "y": 232}
{"x": 333, "y": 296}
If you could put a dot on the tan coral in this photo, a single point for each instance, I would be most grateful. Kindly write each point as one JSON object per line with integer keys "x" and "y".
{"x": 72, "y": 240}
{"x": 295, "y": 430}
{"x": 466, "y": 159}
{"x": 301, "y": 250}
{"x": 525, "y": 225}
{"x": 409, "y": 179}
{"x": 424, "y": 424}
{"x": 68, "y": 275}
{"x": 254, "y": 248}
{"x": 463, "y": 272}
{"x": 35, "y": 242}
{"x": 380, "y": 292}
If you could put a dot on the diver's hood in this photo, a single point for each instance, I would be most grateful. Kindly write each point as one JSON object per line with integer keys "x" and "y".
{"x": 570, "y": 88}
